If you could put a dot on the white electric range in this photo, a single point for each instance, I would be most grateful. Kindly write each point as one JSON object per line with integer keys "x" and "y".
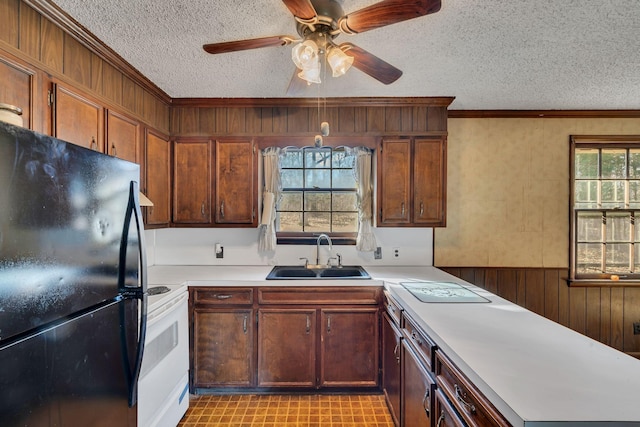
{"x": 163, "y": 386}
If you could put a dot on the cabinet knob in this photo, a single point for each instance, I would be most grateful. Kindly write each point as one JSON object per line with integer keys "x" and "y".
{"x": 94, "y": 144}
{"x": 114, "y": 151}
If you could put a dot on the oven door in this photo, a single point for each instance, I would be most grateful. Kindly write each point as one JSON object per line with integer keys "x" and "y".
{"x": 163, "y": 396}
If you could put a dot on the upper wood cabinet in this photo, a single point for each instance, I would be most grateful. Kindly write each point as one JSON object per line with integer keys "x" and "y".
{"x": 77, "y": 119}
{"x": 412, "y": 182}
{"x": 235, "y": 180}
{"x": 192, "y": 181}
{"x": 123, "y": 137}
{"x": 158, "y": 178}
{"x": 17, "y": 88}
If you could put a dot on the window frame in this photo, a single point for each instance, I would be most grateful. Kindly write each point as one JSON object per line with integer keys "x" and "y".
{"x": 301, "y": 141}
{"x": 625, "y": 142}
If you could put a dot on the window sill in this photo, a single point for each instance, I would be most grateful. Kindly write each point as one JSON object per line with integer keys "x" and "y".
{"x": 601, "y": 283}
{"x": 336, "y": 239}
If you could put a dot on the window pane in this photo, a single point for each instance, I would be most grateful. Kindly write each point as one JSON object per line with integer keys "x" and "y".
{"x": 612, "y": 194}
{"x": 589, "y": 227}
{"x": 317, "y": 178}
{"x": 317, "y": 201}
{"x": 290, "y": 201}
{"x": 345, "y": 222}
{"x": 291, "y": 159}
{"x": 586, "y": 163}
{"x": 343, "y": 178}
{"x": 614, "y": 163}
{"x": 618, "y": 258}
{"x": 342, "y": 160}
{"x": 317, "y": 158}
{"x": 586, "y": 194}
{"x": 634, "y": 163}
{"x": 289, "y": 221}
{"x": 634, "y": 194}
{"x": 589, "y": 258}
{"x": 291, "y": 178}
{"x": 618, "y": 227}
{"x": 345, "y": 202}
{"x": 317, "y": 221}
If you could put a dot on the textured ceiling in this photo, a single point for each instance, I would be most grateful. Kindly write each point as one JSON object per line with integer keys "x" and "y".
{"x": 489, "y": 54}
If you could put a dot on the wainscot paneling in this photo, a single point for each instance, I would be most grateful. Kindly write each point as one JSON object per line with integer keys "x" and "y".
{"x": 603, "y": 313}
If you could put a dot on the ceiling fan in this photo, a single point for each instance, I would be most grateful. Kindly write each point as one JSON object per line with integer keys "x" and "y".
{"x": 319, "y": 22}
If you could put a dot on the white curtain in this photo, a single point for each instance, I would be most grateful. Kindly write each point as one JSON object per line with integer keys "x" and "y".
{"x": 366, "y": 241}
{"x": 271, "y": 193}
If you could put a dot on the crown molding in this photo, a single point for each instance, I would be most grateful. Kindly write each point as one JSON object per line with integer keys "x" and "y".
{"x": 549, "y": 114}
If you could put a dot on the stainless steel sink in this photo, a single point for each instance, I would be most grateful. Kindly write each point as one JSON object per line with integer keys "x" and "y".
{"x": 299, "y": 272}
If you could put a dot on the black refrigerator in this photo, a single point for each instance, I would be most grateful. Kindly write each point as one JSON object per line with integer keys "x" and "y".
{"x": 72, "y": 284}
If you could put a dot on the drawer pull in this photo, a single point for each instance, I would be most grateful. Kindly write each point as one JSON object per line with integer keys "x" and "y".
{"x": 328, "y": 323}
{"x": 425, "y": 403}
{"x": 223, "y": 296}
{"x": 461, "y": 396}
{"x": 308, "y": 325}
{"x": 396, "y": 353}
{"x": 244, "y": 324}
{"x": 440, "y": 419}
{"x": 416, "y": 338}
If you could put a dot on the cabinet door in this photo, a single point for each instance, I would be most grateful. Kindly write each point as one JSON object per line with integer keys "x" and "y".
{"x": 235, "y": 187}
{"x": 158, "y": 178}
{"x": 417, "y": 390}
{"x": 391, "y": 337}
{"x": 286, "y": 347}
{"x": 192, "y": 182}
{"x": 77, "y": 119}
{"x": 123, "y": 137}
{"x": 394, "y": 178}
{"x": 222, "y": 348}
{"x": 350, "y": 343}
{"x": 17, "y": 88}
{"x": 429, "y": 182}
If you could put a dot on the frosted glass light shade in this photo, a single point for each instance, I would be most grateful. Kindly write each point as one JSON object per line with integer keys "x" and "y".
{"x": 305, "y": 55}
{"x": 339, "y": 61}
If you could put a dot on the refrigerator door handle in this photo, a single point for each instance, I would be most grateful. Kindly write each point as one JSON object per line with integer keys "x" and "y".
{"x": 139, "y": 292}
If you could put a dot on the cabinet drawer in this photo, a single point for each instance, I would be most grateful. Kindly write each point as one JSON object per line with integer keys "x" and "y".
{"x": 393, "y": 308}
{"x": 472, "y": 406}
{"x": 222, "y": 296}
{"x": 320, "y": 295}
{"x": 423, "y": 345}
{"x": 444, "y": 414}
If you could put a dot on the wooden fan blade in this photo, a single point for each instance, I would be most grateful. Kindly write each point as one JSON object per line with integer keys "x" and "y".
{"x": 237, "y": 45}
{"x": 301, "y": 8}
{"x": 387, "y": 12}
{"x": 371, "y": 64}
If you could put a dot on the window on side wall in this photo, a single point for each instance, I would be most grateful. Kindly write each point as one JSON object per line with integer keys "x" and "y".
{"x": 319, "y": 195}
{"x": 605, "y": 209}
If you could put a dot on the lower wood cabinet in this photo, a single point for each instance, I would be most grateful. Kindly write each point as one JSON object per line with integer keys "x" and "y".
{"x": 349, "y": 347}
{"x": 222, "y": 348}
{"x": 391, "y": 337}
{"x": 418, "y": 387}
{"x": 286, "y": 347}
{"x": 296, "y": 338}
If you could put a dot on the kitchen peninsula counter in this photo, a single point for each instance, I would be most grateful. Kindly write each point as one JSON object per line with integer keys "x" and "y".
{"x": 533, "y": 370}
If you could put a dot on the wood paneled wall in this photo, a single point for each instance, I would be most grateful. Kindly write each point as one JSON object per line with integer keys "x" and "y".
{"x": 605, "y": 314}
{"x": 58, "y": 49}
{"x": 299, "y": 116}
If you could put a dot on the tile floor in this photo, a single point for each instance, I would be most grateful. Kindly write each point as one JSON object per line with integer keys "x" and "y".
{"x": 287, "y": 411}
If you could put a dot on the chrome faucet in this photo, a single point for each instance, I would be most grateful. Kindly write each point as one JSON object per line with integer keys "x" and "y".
{"x": 320, "y": 237}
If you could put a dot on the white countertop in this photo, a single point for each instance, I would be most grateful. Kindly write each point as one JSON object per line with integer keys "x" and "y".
{"x": 535, "y": 371}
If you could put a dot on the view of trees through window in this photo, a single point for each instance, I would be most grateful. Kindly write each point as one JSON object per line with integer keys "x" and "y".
{"x": 318, "y": 191}
{"x": 606, "y": 204}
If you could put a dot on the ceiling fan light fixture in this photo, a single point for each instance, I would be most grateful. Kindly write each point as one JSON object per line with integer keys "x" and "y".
{"x": 305, "y": 55}
{"x": 311, "y": 75}
{"x": 339, "y": 61}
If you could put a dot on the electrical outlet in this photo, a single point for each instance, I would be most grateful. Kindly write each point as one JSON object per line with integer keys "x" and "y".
{"x": 636, "y": 328}
{"x": 377, "y": 254}
{"x": 396, "y": 252}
